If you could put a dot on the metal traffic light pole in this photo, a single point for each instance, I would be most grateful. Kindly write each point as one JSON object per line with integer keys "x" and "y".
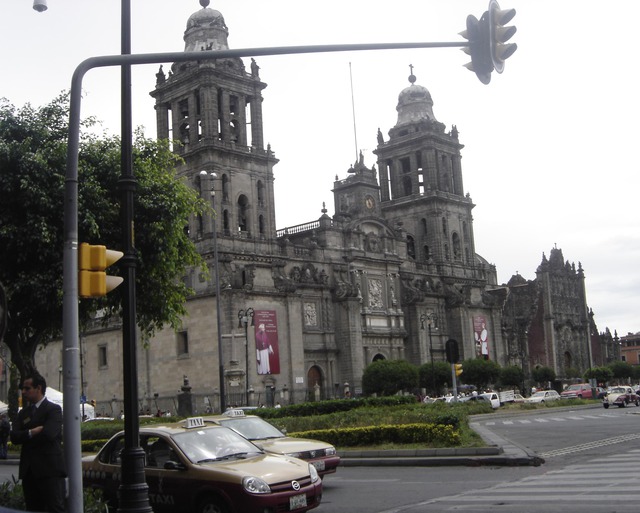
{"x": 133, "y": 480}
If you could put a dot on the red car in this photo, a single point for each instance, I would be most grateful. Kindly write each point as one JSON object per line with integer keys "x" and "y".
{"x": 578, "y": 391}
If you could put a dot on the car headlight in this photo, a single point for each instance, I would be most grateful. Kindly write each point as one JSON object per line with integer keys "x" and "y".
{"x": 293, "y": 454}
{"x": 330, "y": 451}
{"x": 255, "y": 485}
{"x": 313, "y": 473}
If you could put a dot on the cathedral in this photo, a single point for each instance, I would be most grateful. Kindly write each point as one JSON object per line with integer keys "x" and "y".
{"x": 297, "y": 313}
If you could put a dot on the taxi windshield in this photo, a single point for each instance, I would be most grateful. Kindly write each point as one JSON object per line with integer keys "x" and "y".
{"x": 253, "y": 428}
{"x": 213, "y": 444}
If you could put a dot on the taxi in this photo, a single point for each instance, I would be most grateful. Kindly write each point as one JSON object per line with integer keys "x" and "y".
{"x": 193, "y": 467}
{"x": 321, "y": 455}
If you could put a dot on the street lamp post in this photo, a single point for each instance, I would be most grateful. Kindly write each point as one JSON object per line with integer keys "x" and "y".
{"x": 430, "y": 318}
{"x": 216, "y": 266}
{"x": 244, "y": 316}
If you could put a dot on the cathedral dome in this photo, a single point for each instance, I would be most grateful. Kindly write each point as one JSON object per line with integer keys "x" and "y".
{"x": 414, "y": 104}
{"x": 206, "y": 30}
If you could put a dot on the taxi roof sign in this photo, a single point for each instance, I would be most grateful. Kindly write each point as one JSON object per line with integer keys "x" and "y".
{"x": 195, "y": 422}
{"x": 234, "y": 412}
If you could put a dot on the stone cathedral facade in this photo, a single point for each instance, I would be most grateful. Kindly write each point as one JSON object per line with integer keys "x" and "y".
{"x": 392, "y": 273}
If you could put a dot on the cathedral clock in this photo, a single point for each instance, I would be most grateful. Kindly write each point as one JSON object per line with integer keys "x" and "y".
{"x": 369, "y": 202}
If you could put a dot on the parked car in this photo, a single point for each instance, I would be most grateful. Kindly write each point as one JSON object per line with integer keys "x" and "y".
{"x": 620, "y": 396}
{"x": 321, "y": 455}
{"x": 578, "y": 391}
{"x": 543, "y": 396}
{"x": 517, "y": 398}
{"x": 192, "y": 467}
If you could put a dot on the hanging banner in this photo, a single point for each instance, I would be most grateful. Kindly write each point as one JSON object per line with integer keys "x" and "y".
{"x": 481, "y": 336}
{"x": 267, "y": 350}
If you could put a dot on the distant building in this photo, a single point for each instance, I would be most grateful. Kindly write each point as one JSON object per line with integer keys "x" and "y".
{"x": 629, "y": 347}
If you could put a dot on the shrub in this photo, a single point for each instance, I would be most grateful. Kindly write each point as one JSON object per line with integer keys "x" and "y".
{"x": 11, "y": 497}
{"x": 440, "y": 435}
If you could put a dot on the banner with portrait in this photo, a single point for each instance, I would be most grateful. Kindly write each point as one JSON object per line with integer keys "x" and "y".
{"x": 481, "y": 336}
{"x": 266, "y": 336}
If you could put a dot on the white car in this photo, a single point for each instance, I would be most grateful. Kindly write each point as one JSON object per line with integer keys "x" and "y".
{"x": 543, "y": 396}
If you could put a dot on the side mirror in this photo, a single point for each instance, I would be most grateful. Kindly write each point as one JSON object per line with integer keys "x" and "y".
{"x": 173, "y": 465}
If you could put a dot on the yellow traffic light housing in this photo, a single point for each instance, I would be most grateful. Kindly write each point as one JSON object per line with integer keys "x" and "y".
{"x": 458, "y": 368}
{"x": 92, "y": 263}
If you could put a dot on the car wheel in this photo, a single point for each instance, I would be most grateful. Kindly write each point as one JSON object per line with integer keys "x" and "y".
{"x": 637, "y": 402}
{"x": 606, "y": 405}
{"x": 622, "y": 404}
{"x": 211, "y": 504}
{"x": 580, "y": 396}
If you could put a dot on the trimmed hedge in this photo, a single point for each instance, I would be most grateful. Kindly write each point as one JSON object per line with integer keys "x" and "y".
{"x": 332, "y": 406}
{"x": 442, "y": 436}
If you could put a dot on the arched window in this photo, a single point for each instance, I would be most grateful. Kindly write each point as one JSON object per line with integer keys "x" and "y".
{"x": 260, "y": 191}
{"x": 243, "y": 208}
{"x": 411, "y": 247}
{"x": 457, "y": 247}
{"x": 261, "y": 225}
{"x": 225, "y": 188}
{"x": 378, "y": 357}
{"x": 226, "y": 222}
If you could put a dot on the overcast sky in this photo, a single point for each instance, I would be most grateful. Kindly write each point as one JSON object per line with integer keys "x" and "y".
{"x": 549, "y": 155}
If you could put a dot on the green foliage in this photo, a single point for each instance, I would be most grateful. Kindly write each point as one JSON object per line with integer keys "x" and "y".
{"x": 442, "y": 373}
{"x": 11, "y": 496}
{"x": 542, "y": 375}
{"x": 33, "y": 146}
{"x": 572, "y": 372}
{"x": 480, "y": 372}
{"x": 388, "y": 377}
{"x": 428, "y": 434}
{"x": 621, "y": 370}
{"x": 332, "y": 406}
{"x": 600, "y": 374}
{"x": 511, "y": 376}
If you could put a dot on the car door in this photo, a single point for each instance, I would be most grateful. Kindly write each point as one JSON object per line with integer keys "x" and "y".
{"x": 168, "y": 487}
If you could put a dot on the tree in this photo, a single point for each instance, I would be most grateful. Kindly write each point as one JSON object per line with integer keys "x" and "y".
{"x": 600, "y": 374}
{"x": 388, "y": 377}
{"x": 511, "y": 376}
{"x": 33, "y": 145}
{"x": 442, "y": 373}
{"x": 621, "y": 370}
{"x": 543, "y": 375}
{"x": 480, "y": 372}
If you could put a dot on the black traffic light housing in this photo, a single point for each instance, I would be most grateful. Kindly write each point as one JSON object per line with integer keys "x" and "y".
{"x": 487, "y": 41}
{"x": 451, "y": 350}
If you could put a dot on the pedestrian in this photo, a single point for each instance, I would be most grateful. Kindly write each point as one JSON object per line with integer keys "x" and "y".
{"x": 39, "y": 430}
{"x": 5, "y": 428}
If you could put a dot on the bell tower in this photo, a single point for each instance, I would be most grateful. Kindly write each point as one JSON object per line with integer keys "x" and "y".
{"x": 212, "y": 113}
{"x": 421, "y": 184}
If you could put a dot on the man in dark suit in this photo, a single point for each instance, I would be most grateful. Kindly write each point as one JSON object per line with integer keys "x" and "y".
{"x": 39, "y": 430}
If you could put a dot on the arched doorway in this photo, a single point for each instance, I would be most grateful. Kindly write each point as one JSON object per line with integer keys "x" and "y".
{"x": 314, "y": 377}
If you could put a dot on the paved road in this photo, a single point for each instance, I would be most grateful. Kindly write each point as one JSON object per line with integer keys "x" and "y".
{"x": 592, "y": 461}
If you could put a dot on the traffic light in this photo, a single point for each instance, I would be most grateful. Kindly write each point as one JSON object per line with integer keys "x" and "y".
{"x": 487, "y": 37}
{"x": 92, "y": 263}
{"x": 451, "y": 350}
{"x": 458, "y": 368}
{"x": 479, "y": 48}
{"x": 499, "y": 35}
